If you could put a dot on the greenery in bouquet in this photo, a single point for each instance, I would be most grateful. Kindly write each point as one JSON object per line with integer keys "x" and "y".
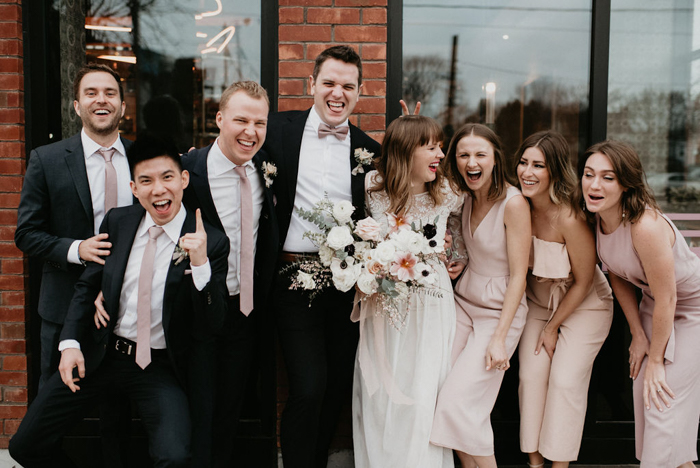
{"x": 353, "y": 254}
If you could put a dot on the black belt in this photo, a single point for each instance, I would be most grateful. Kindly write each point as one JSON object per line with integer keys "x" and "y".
{"x": 127, "y": 347}
{"x": 291, "y": 257}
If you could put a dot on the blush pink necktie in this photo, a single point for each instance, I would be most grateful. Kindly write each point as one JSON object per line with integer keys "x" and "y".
{"x": 110, "y": 179}
{"x": 246, "y": 266}
{"x": 143, "y": 305}
{"x": 339, "y": 132}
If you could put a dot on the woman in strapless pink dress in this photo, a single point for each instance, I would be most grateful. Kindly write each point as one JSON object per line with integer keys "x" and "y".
{"x": 643, "y": 249}
{"x": 569, "y": 301}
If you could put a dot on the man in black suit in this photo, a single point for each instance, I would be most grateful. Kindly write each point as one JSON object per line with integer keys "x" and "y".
{"x": 158, "y": 308}
{"x": 314, "y": 156}
{"x": 64, "y": 199}
{"x": 217, "y": 391}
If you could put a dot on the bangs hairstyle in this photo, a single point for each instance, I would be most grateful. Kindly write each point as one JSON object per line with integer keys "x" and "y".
{"x": 403, "y": 136}
{"x": 629, "y": 173}
{"x": 557, "y": 160}
{"x": 251, "y": 88}
{"x": 93, "y": 68}
{"x": 500, "y": 175}
{"x": 149, "y": 146}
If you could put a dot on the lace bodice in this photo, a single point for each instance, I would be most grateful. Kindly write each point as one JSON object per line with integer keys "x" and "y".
{"x": 421, "y": 210}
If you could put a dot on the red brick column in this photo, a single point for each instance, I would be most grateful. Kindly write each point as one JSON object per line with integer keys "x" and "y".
{"x": 13, "y": 358}
{"x": 309, "y": 26}
{"x": 306, "y": 28}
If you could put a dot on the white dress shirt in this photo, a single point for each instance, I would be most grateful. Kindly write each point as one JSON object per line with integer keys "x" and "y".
{"x": 224, "y": 184}
{"x": 324, "y": 169}
{"x": 126, "y": 323}
{"x": 95, "y": 166}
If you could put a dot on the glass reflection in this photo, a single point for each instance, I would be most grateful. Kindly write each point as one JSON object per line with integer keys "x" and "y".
{"x": 654, "y": 95}
{"x": 521, "y": 66}
{"x": 176, "y": 57}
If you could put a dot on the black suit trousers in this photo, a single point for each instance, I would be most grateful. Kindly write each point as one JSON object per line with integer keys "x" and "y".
{"x": 318, "y": 344}
{"x": 155, "y": 391}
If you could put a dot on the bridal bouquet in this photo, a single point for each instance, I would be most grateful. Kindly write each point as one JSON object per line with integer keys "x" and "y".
{"x": 353, "y": 254}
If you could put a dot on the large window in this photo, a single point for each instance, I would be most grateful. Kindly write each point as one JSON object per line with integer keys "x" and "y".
{"x": 175, "y": 57}
{"x": 520, "y": 66}
{"x": 654, "y": 95}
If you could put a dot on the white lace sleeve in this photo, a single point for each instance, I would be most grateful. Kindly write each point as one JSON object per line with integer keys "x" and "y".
{"x": 454, "y": 224}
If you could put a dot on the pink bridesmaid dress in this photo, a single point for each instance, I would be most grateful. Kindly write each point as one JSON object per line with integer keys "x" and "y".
{"x": 664, "y": 439}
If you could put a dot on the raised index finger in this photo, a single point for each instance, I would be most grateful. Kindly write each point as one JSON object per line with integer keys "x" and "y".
{"x": 200, "y": 223}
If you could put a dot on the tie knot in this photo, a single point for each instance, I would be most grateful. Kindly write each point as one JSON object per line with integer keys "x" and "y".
{"x": 339, "y": 132}
{"x": 155, "y": 231}
{"x": 240, "y": 170}
{"x": 106, "y": 153}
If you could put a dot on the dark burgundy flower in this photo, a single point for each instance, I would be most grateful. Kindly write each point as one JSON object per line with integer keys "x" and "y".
{"x": 350, "y": 250}
{"x": 429, "y": 231}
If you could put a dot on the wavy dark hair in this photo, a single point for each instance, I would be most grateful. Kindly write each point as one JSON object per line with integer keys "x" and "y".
{"x": 500, "y": 175}
{"x": 557, "y": 160}
{"x": 403, "y": 136}
{"x": 629, "y": 173}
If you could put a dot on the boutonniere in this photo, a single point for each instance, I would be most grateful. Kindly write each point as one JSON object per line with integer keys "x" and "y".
{"x": 363, "y": 158}
{"x": 180, "y": 254}
{"x": 269, "y": 173}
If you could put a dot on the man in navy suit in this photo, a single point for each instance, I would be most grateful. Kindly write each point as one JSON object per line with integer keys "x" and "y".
{"x": 217, "y": 390}
{"x": 315, "y": 156}
{"x": 63, "y": 200}
{"x": 187, "y": 290}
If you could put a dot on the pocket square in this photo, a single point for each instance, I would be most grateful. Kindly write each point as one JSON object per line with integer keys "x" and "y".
{"x": 188, "y": 272}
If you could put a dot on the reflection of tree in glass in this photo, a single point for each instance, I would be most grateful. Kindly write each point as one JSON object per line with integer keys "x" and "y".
{"x": 422, "y": 77}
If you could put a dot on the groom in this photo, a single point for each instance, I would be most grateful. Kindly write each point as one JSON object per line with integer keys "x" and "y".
{"x": 314, "y": 154}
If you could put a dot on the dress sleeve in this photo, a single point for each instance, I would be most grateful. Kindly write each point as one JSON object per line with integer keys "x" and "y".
{"x": 458, "y": 252}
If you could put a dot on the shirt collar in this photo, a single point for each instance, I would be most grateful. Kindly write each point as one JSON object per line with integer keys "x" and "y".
{"x": 219, "y": 163}
{"x": 315, "y": 119}
{"x": 90, "y": 146}
{"x": 172, "y": 229}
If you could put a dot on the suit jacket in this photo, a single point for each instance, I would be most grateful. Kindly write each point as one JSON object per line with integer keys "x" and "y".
{"x": 283, "y": 144}
{"x": 183, "y": 304}
{"x": 55, "y": 209}
{"x": 198, "y": 195}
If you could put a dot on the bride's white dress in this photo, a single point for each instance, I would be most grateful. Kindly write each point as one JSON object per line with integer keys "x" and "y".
{"x": 399, "y": 370}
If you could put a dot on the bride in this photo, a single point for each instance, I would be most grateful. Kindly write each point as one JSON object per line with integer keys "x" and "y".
{"x": 399, "y": 368}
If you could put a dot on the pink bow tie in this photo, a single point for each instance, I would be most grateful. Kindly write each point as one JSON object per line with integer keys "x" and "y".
{"x": 340, "y": 132}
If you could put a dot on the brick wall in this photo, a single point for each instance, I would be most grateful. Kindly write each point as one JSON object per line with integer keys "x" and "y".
{"x": 306, "y": 28}
{"x": 13, "y": 359}
{"x": 309, "y": 26}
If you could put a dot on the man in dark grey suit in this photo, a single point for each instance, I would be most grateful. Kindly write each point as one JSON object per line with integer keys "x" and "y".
{"x": 64, "y": 197}
{"x": 315, "y": 156}
{"x": 218, "y": 383}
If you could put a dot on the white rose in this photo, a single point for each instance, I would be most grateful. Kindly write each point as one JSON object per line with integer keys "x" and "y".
{"x": 345, "y": 273}
{"x": 367, "y": 283}
{"x": 306, "y": 280}
{"x": 368, "y": 229}
{"x": 342, "y": 211}
{"x": 385, "y": 252}
{"x": 339, "y": 237}
{"x": 325, "y": 254}
{"x": 409, "y": 241}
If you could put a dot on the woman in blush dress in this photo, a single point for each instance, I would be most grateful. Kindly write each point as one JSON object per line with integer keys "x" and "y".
{"x": 643, "y": 249}
{"x": 400, "y": 367}
{"x": 570, "y": 306}
{"x": 490, "y": 295}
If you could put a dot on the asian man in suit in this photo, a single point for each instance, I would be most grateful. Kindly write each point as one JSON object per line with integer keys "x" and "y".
{"x": 314, "y": 151}
{"x": 217, "y": 187}
{"x": 165, "y": 276}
